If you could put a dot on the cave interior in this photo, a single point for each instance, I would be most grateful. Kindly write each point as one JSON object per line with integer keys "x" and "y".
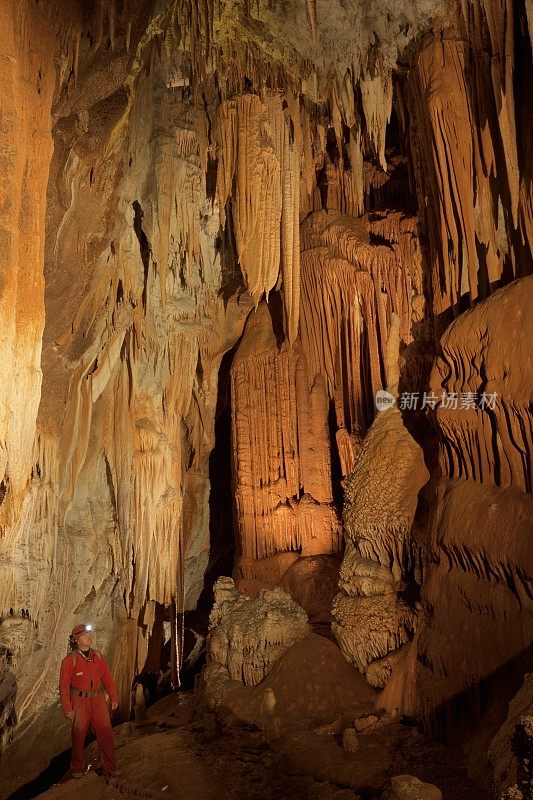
{"x": 266, "y": 394}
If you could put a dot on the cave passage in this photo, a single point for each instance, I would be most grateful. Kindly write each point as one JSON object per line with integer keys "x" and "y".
{"x": 266, "y": 394}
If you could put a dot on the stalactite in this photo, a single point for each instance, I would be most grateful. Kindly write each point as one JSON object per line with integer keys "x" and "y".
{"x": 452, "y": 156}
{"x": 308, "y": 182}
{"x": 176, "y": 244}
{"x": 355, "y": 204}
{"x": 500, "y": 21}
{"x": 376, "y": 95}
{"x": 259, "y": 149}
{"x": 344, "y": 325}
{"x": 141, "y": 304}
{"x": 258, "y": 201}
{"x": 282, "y": 468}
{"x": 396, "y": 269}
{"x": 76, "y": 59}
{"x": 111, "y": 19}
{"x": 24, "y": 581}
{"x": 99, "y": 23}
{"x": 290, "y": 227}
{"x": 311, "y": 15}
{"x": 474, "y": 182}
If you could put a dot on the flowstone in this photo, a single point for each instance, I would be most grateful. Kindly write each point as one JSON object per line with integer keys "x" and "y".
{"x": 247, "y": 636}
{"x": 371, "y": 621}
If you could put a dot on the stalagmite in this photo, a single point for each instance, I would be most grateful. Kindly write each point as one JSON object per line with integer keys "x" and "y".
{"x": 368, "y": 628}
{"x": 369, "y": 620}
{"x": 246, "y": 637}
{"x": 381, "y": 496}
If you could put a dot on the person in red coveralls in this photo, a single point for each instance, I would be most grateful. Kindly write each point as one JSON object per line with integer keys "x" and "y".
{"x": 83, "y": 672}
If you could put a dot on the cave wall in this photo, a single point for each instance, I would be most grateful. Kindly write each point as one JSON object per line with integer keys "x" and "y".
{"x": 478, "y": 538}
{"x": 136, "y": 326}
{"x": 208, "y": 177}
{"x": 27, "y": 88}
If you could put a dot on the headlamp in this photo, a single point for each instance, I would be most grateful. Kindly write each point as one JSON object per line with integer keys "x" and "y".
{"x": 88, "y": 628}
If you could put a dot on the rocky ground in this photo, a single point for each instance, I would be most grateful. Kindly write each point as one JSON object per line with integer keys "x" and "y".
{"x": 179, "y": 753}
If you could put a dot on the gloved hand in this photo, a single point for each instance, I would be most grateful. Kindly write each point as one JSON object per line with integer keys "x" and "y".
{"x": 114, "y": 706}
{"x": 70, "y": 714}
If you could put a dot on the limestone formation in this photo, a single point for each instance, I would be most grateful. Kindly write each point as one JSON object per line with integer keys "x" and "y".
{"x": 247, "y": 636}
{"x": 488, "y": 441}
{"x": 312, "y": 583}
{"x": 352, "y": 290}
{"x": 406, "y": 787}
{"x": 224, "y": 227}
{"x": 368, "y": 628}
{"x": 469, "y": 231}
{"x": 313, "y": 685}
{"x": 382, "y": 493}
{"x": 281, "y": 458}
{"x": 353, "y": 294}
{"x": 379, "y": 671}
{"x": 269, "y": 720}
{"x": 479, "y": 531}
{"x": 363, "y": 577}
{"x": 8, "y": 692}
{"x": 370, "y": 620}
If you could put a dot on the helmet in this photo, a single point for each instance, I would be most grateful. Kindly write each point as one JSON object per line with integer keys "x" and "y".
{"x": 76, "y": 633}
{"x": 79, "y": 629}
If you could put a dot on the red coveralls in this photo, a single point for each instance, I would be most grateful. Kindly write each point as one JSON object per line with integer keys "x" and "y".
{"x": 87, "y": 675}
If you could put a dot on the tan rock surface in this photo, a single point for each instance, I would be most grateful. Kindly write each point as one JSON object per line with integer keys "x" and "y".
{"x": 310, "y": 680}
{"x": 370, "y": 619}
{"x": 479, "y": 532}
{"x": 247, "y": 636}
{"x": 382, "y": 493}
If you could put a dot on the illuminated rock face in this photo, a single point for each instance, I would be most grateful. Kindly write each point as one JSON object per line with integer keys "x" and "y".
{"x": 307, "y": 186}
{"x": 247, "y": 636}
{"x": 284, "y": 497}
{"x": 25, "y": 152}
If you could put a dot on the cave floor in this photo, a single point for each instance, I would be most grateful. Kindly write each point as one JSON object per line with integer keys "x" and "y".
{"x": 175, "y": 754}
